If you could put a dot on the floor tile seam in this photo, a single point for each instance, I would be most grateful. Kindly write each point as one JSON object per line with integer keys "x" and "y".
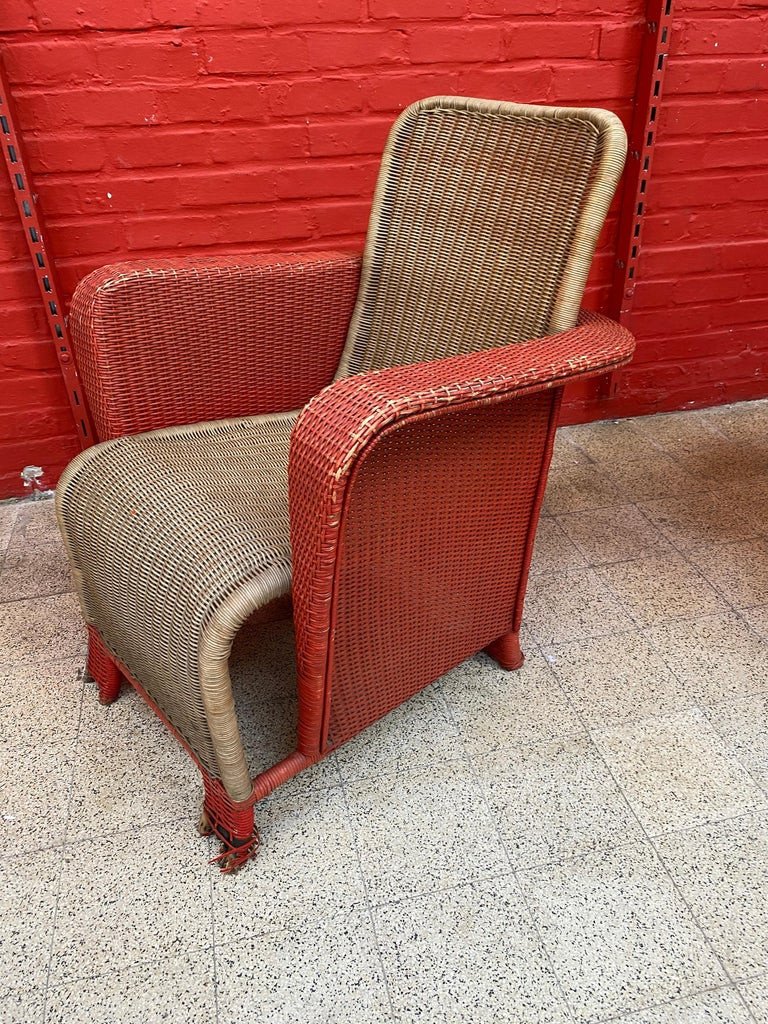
{"x": 737, "y": 610}
{"x": 396, "y": 773}
{"x": 514, "y": 874}
{"x": 648, "y": 839}
{"x": 688, "y": 562}
{"x": 732, "y": 753}
{"x": 622, "y": 1017}
{"x": 368, "y": 903}
{"x": 36, "y": 597}
{"x": 134, "y": 966}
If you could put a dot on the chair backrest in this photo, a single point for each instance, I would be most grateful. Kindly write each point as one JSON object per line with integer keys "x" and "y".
{"x": 483, "y": 227}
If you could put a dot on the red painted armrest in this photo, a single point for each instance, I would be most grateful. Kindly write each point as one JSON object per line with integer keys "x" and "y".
{"x": 170, "y": 341}
{"x": 338, "y": 427}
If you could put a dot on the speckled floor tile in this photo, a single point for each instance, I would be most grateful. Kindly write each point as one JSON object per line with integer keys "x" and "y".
{"x": 571, "y": 606}
{"x": 714, "y": 657}
{"x": 616, "y": 679}
{"x": 493, "y": 707}
{"x": 579, "y": 486}
{"x": 28, "y": 888}
{"x": 612, "y": 534}
{"x": 722, "y": 872}
{"x": 42, "y": 629}
{"x": 676, "y": 433}
{"x": 131, "y": 897}
{"x": 723, "y": 1006}
{"x": 739, "y": 570}
{"x": 661, "y": 587}
{"x": 423, "y": 830}
{"x": 758, "y": 620}
{"x": 34, "y": 795}
{"x": 35, "y": 564}
{"x": 320, "y": 975}
{"x": 743, "y": 724}
{"x": 748, "y": 498}
{"x": 755, "y": 994}
{"x": 693, "y": 521}
{"x": 554, "y": 800}
{"x": 8, "y": 514}
{"x": 610, "y": 441}
{"x": 419, "y": 733}
{"x": 127, "y": 777}
{"x": 26, "y": 1007}
{"x": 307, "y": 868}
{"x": 619, "y": 935}
{"x": 654, "y": 475}
{"x": 468, "y": 954}
{"x": 721, "y": 459}
{"x": 40, "y": 702}
{"x": 565, "y": 453}
{"x": 175, "y": 991}
{"x": 554, "y": 550}
{"x": 677, "y": 772}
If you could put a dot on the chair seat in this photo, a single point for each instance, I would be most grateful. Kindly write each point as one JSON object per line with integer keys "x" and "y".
{"x": 168, "y": 528}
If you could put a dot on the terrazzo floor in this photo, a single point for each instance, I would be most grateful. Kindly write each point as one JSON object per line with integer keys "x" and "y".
{"x": 585, "y": 840}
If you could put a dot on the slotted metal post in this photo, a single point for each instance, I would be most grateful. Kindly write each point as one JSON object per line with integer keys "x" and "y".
{"x": 34, "y": 235}
{"x": 649, "y": 90}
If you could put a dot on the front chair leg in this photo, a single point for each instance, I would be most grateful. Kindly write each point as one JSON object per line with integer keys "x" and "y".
{"x": 506, "y": 651}
{"x": 102, "y": 669}
{"x": 231, "y": 822}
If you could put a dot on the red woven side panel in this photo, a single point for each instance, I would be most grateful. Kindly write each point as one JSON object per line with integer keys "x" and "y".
{"x": 167, "y": 342}
{"x": 432, "y": 551}
{"x": 332, "y": 436}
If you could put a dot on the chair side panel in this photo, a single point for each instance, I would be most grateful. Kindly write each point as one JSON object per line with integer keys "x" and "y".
{"x": 438, "y": 527}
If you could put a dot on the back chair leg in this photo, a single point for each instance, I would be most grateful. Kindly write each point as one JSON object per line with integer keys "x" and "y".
{"x": 102, "y": 669}
{"x": 231, "y": 822}
{"x": 506, "y": 651}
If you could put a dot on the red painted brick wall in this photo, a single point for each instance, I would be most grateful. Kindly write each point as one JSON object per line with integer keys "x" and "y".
{"x": 160, "y": 126}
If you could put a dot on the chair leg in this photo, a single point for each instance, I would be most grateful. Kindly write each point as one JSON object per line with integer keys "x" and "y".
{"x": 102, "y": 669}
{"x": 232, "y": 823}
{"x": 506, "y": 651}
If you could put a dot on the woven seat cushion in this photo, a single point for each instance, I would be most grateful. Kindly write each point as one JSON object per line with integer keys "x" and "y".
{"x": 173, "y": 525}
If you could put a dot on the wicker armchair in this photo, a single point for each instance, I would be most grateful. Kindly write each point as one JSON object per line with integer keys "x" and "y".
{"x": 399, "y": 506}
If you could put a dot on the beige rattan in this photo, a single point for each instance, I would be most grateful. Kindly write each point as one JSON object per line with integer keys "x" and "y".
{"x": 483, "y": 227}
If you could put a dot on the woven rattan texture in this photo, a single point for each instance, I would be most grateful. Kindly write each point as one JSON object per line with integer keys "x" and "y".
{"x": 166, "y": 342}
{"x": 484, "y": 224}
{"x": 333, "y": 434}
{"x": 168, "y": 525}
{"x": 178, "y": 535}
{"x": 430, "y": 556}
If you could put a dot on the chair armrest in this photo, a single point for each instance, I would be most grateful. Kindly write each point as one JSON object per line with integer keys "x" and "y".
{"x": 338, "y": 434}
{"x": 165, "y": 342}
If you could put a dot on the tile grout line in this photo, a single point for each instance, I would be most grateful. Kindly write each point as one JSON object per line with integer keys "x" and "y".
{"x": 513, "y": 871}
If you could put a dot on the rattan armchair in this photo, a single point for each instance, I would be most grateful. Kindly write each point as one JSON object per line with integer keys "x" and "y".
{"x": 374, "y": 444}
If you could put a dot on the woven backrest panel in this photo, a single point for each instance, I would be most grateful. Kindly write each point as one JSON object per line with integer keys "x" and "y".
{"x": 483, "y": 228}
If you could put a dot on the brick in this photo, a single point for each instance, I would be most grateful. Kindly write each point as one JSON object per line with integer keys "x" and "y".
{"x": 263, "y": 53}
{"x": 720, "y": 36}
{"x": 715, "y": 117}
{"x": 65, "y": 152}
{"x": 318, "y": 178}
{"x": 396, "y": 90}
{"x": 621, "y": 41}
{"x": 527, "y": 83}
{"x": 424, "y": 9}
{"x": 595, "y": 82}
{"x": 98, "y": 14}
{"x": 214, "y": 102}
{"x": 350, "y": 49}
{"x": 436, "y": 44}
{"x": 716, "y": 76}
{"x": 349, "y": 217}
{"x": 28, "y": 356}
{"x": 50, "y": 111}
{"x": 350, "y": 137}
{"x": 158, "y": 146}
{"x": 299, "y": 12}
{"x": 326, "y": 96}
{"x": 155, "y": 57}
{"x": 535, "y": 40}
{"x": 259, "y": 142}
